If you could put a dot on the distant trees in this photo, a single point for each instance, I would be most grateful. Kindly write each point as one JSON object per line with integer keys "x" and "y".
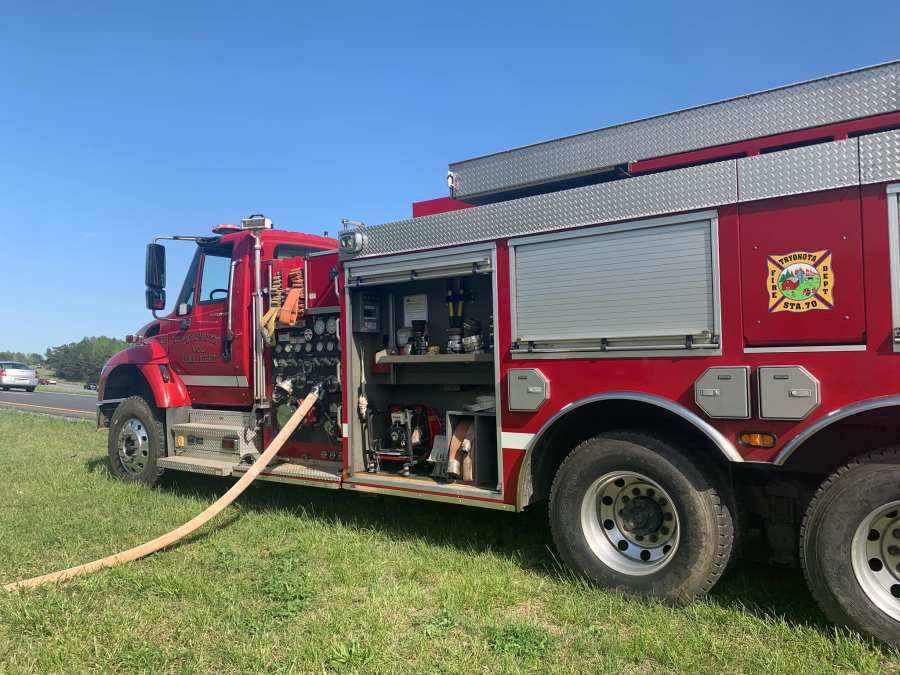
{"x": 22, "y": 357}
{"x": 83, "y": 360}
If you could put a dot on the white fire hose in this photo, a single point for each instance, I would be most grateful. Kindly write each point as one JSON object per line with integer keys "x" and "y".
{"x": 194, "y": 523}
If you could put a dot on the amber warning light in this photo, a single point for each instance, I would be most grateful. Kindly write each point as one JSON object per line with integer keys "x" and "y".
{"x": 757, "y": 439}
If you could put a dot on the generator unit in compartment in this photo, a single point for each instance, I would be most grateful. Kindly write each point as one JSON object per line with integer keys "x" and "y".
{"x": 407, "y": 439}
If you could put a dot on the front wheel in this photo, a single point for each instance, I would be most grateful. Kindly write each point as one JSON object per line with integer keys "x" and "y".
{"x": 632, "y": 513}
{"x": 850, "y": 546}
{"x": 135, "y": 442}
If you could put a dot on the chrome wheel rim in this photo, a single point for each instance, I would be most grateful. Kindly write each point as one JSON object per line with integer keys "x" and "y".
{"x": 133, "y": 444}
{"x": 876, "y": 558}
{"x": 630, "y": 523}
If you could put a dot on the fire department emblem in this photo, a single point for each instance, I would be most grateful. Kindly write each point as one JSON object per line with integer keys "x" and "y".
{"x": 800, "y": 282}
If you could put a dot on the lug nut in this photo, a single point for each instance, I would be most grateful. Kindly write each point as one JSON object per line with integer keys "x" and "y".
{"x": 893, "y": 550}
{"x": 664, "y": 530}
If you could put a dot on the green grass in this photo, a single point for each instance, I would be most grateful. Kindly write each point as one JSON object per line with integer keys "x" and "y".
{"x": 302, "y": 580}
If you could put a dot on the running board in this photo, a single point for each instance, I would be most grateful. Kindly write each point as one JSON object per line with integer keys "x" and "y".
{"x": 210, "y": 466}
{"x": 324, "y": 474}
{"x": 320, "y": 474}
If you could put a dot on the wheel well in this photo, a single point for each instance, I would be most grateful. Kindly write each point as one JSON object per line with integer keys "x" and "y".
{"x": 125, "y": 381}
{"x": 836, "y": 444}
{"x": 591, "y": 419}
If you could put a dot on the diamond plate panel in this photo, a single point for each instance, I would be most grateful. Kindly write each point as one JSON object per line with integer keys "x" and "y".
{"x": 817, "y": 167}
{"x": 655, "y": 194}
{"x": 224, "y": 417}
{"x": 860, "y": 93}
{"x": 212, "y": 435}
{"x": 879, "y": 157}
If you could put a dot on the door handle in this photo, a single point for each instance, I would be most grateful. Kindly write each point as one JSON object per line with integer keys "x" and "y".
{"x": 185, "y": 324}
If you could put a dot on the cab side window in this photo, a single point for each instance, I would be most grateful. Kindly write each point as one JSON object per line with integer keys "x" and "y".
{"x": 215, "y": 276}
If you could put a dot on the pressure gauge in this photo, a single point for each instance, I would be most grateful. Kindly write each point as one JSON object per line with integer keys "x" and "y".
{"x": 307, "y": 335}
{"x": 331, "y": 325}
{"x": 308, "y": 347}
{"x": 329, "y": 346}
{"x": 319, "y": 326}
{"x": 320, "y": 346}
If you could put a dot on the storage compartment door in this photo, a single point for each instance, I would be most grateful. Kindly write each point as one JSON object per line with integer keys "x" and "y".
{"x": 457, "y": 262}
{"x": 635, "y": 281}
{"x": 802, "y": 270}
{"x": 894, "y": 247}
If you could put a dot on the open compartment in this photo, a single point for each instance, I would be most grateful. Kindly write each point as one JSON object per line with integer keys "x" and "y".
{"x": 421, "y": 371}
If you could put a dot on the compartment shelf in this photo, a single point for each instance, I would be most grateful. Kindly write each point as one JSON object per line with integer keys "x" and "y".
{"x": 431, "y": 359}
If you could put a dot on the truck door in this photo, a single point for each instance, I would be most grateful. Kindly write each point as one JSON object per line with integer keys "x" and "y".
{"x": 211, "y": 360}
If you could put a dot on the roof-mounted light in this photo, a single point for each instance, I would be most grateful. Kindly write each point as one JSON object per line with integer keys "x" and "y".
{"x": 256, "y": 222}
{"x": 226, "y": 228}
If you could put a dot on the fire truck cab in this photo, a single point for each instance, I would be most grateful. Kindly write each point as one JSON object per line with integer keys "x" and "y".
{"x": 682, "y": 333}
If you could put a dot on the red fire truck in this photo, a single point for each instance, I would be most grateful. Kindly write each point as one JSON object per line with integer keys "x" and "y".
{"x": 683, "y": 332}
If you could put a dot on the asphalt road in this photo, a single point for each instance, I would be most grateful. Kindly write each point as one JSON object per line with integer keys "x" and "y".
{"x": 65, "y": 405}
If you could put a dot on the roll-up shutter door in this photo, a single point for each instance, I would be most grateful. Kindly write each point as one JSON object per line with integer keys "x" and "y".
{"x": 650, "y": 281}
{"x": 431, "y": 266}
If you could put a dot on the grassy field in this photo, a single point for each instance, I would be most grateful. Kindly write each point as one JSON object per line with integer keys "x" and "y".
{"x": 67, "y": 388}
{"x": 62, "y": 386}
{"x": 302, "y": 580}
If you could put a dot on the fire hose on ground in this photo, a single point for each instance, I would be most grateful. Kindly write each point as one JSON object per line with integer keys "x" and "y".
{"x": 196, "y": 522}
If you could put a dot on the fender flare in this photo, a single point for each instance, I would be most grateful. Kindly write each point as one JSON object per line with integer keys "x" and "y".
{"x": 171, "y": 394}
{"x": 723, "y": 444}
{"x": 829, "y": 419}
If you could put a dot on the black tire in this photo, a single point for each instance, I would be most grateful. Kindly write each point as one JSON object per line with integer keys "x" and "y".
{"x": 30, "y": 390}
{"x": 704, "y": 525}
{"x": 840, "y": 506}
{"x": 143, "y": 468}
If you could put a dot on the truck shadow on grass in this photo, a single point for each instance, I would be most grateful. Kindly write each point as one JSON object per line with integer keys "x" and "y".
{"x": 762, "y": 591}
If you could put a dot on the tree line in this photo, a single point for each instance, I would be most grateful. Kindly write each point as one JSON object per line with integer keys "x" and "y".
{"x": 33, "y": 359}
{"x": 80, "y": 361}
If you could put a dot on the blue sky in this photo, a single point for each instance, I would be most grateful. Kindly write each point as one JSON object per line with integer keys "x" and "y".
{"x": 119, "y": 121}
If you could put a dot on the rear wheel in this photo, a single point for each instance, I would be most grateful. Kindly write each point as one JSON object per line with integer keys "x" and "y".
{"x": 30, "y": 390}
{"x": 135, "y": 442}
{"x": 632, "y": 513}
{"x": 850, "y": 546}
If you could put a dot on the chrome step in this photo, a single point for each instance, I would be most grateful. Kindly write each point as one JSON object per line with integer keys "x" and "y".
{"x": 321, "y": 474}
{"x": 207, "y": 464}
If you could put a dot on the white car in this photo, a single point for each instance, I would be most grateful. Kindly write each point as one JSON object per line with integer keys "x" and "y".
{"x": 13, "y": 374}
